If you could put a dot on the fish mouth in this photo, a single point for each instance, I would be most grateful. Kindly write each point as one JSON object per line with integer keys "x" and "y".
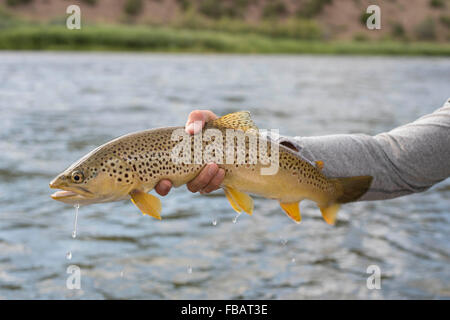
{"x": 62, "y": 194}
{"x": 70, "y": 194}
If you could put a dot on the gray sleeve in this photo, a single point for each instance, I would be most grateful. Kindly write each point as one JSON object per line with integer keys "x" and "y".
{"x": 408, "y": 159}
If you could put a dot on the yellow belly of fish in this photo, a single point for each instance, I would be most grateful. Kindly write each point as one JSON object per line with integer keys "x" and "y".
{"x": 282, "y": 186}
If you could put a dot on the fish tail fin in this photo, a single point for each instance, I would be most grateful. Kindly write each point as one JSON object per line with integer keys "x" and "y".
{"x": 352, "y": 188}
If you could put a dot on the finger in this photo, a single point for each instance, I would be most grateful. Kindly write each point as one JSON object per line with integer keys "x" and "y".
{"x": 163, "y": 187}
{"x": 215, "y": 182}
{"x": 203, "y": 179}
{"x": 196, "y": 120}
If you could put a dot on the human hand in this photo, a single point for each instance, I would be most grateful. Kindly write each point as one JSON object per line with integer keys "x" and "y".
{"x": 211, "y": 176}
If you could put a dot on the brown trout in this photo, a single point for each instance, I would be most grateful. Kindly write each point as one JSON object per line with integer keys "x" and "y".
{"x": 130, "y": 166}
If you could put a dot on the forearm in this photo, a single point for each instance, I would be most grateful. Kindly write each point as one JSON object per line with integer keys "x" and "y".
{"x": 406, "y": 160}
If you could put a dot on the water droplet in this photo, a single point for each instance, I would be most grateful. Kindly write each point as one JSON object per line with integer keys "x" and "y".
{"x": 69, "y": 255}
{"x": 236, "y": 217}
{"x": 214, "y": 222}
{"x": 293, "y": 260}
{"x": 74, "y": 232}
{"x": 121, "y": 274}
{"x": 189, "y": 269}
{"x": 283, "y": 241}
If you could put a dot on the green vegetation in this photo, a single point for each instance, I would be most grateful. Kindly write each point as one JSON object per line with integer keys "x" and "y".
{"x": 218, "y": 9}
{"x": 243, "y": 4}
{"x": 426, "y": 30}
{"x": 13, "y": 3}
{"x": 445, "y": 20}
{"x": 360, "y": 37}
{"x": 312, "y": 8}
{"x": 437, "y": 3}
{"x": 290, "y": 28}
{"x": 133, "y": 7}
{"x": 90, "y": 2}
{"x": 140, "y": 38}
{"x": 274, "y": 9}
{"x": 364, "y": 16}
{"x": 398, "y": 31}
{"x": 184, "y": 4}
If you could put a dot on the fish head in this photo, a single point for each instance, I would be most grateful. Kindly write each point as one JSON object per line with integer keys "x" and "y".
{"x": 94, "y": 179}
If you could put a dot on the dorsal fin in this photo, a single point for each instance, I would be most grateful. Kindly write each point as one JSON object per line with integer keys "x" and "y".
{"x": 236, "y": 120}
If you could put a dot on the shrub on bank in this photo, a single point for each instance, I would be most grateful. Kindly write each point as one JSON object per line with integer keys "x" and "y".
{"x": 133, "y": 7}
{"x": 426, "y": 30}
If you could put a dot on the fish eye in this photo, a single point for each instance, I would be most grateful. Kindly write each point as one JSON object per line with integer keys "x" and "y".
{"x": 77, "y": 177}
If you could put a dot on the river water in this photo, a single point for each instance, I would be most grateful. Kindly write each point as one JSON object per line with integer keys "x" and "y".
{"x": 55, "y": 107}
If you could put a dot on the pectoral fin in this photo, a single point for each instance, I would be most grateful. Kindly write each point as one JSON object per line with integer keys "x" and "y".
{"x": 329, "y": 213}
{"x": 147, "y": 203}
{"x": 239, "y": 201}
{"x": 292, "y": 210}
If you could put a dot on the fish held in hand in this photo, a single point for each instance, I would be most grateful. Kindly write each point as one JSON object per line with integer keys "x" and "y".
{"x": 130, "y": 166}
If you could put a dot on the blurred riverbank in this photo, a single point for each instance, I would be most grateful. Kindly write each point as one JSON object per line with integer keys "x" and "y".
{"x": 162, "y": 39}
{"x": 196, "y": 32}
